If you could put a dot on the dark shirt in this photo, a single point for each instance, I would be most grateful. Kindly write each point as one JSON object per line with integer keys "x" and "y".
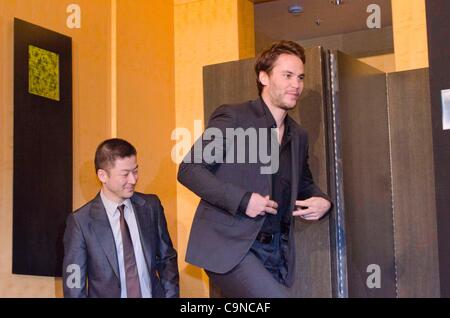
{"x": 281, "y": 181}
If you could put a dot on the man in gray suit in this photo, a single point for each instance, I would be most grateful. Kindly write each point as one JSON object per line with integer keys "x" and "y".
{"x": 242, "y": 233}
{"x": 118, "y": 243}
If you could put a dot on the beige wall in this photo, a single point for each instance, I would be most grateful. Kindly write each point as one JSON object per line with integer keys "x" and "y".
{"x": 206, "y": 32}
{"x": 409, "y": 24}
{"x": 146, "y": 94}
{"x": 384, "y": 62}
{"x": 410, "y": 39}
{"x": 143, "y": 111}
{"x": 91, "y": 112}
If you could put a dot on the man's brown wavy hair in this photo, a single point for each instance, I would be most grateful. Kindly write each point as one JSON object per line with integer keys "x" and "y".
{"x": 268, "y": 57}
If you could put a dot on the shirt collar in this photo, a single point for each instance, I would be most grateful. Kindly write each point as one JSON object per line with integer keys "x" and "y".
{"x": 271, "y": 123}
{"x": 111, "y": 206}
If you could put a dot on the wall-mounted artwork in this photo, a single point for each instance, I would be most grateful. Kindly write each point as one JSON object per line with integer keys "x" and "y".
{"x": 42, "y": 177}
{"x": 43, "y": 72}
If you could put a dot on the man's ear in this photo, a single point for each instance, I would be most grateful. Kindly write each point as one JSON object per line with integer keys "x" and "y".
{"x": 102, "y": 175}
{"x": 264, "y": 78}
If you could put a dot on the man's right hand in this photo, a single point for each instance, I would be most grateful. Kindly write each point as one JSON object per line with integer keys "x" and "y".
{"x": 259, "y": 205}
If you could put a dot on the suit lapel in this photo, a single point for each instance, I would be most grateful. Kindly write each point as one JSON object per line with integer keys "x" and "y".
{"x": 102, "y": 229}
{"x": 144, "y": 226}
{"x": 294, "y": 167}
{"x": 261, "y": 122}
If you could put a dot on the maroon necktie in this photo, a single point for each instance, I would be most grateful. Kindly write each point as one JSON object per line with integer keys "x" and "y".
{"x": 131, "y": 271}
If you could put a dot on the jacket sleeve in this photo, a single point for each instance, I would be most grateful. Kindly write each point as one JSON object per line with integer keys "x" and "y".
{"x": 75, "y": 260}
{"x": 166, "y": 256}
{"x": 307, "y": 188}
{"x": 196, "y": 172}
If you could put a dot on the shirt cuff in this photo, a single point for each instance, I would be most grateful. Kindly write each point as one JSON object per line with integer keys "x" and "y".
{"x": 244, "y": 202}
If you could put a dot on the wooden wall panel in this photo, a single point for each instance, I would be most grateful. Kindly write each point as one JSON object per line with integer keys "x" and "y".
{"x": 438, "y": 15}
{"x": 366, "y": 176}
{"x": 413, "y": 184}
{"x": 228, "y": 83}
{"x": 313, "y": 238}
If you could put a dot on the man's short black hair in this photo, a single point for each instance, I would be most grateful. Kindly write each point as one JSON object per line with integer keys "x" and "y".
{"x": 111, "y": 149}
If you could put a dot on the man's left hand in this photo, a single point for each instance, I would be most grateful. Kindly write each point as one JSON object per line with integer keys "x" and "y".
{"x": 312, "y": 209}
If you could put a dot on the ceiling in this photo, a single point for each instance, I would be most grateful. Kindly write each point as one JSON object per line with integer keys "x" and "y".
{"x": 273, "y": 22}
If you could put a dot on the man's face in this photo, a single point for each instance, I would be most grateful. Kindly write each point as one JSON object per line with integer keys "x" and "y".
{"x": 119, "y": 181}
{"x": 284, "y": 84}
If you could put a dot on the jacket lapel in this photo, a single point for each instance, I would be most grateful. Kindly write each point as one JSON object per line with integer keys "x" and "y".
{"x": 102, "y": 229}
{"x": 261, "y": 122}
{"x": 144, "y": 226}
{"x": 294, "y": 168}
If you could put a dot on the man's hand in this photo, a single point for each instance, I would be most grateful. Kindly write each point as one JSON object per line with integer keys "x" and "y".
{"x": 259, "y": 205}
{"x": 311, "y": 209}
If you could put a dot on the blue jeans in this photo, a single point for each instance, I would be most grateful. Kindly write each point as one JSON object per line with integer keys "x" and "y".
{"x": 271, "y": 256}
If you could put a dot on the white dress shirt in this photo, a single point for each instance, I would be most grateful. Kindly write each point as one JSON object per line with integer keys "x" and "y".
{"x": 114, "y": 220}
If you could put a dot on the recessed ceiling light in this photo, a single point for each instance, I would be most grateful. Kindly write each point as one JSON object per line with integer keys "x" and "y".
{"x": 295, "y": 9}
{"x": 337, "y": 2}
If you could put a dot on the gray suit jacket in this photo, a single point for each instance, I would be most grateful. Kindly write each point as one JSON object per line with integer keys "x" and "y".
{"x": 89, "y": 243}
{"x": 221, "y": 236}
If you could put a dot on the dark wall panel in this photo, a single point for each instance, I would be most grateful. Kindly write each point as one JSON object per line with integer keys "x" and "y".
{"x": 366, "y": 176}
{"x": 228, "y": 83}
{"x": 413, "y": 184}
{"x": 313, "y": 239}
{"x": 438, "y": 16}
{"x": 42, "y": 189}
